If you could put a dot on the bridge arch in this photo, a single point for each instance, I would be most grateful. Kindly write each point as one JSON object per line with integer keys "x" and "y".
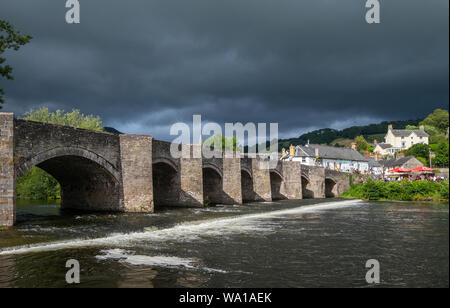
{"x": 212, "y": 184}
{"x": 87, "y": 180}
{"x": 166, "y": 182}
{"x": 307, "y": 192}
{"x": 276, "y": 180}
{"x": 331, "y": 187}
{"x": 247, "y": 187}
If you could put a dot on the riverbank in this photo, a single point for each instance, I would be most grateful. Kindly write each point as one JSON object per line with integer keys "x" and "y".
{"x": 400, "y": 191}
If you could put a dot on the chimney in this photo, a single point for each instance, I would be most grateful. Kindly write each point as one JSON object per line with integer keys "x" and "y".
{"x": 316, "y": 152}
{"x": 390, "y": 127}
{"x": 422, "y": 128}
{"x": 354, "y": 146}
{"x": 375, "y": 142}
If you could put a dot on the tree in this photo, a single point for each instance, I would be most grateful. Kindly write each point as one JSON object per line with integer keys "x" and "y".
{"x": 441, "y": 155}
{"x": 361, "y": 144}
{"x": 9, "y": 39}
{"x": 223, "y": 142}
{"x": 419, "y": 150}
{"x": 439, "y": 119}
{"x": 74, "y": 118}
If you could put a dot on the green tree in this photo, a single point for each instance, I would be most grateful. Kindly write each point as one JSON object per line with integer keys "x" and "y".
{"x": 361, "y": 144}
{"x": 419, "y": 150}
{"x": 74, "y": 118}
{"x": 221, "y": 141}
{"x": 9, "y": 39}
{"x": 441, "y": 155}
{"x": 439, "y": 119}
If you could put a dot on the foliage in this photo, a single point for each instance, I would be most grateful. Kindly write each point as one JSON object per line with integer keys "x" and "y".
{"x": 9, "y": 39}
{"x": 439, "y": 138}
{"x": 74, "y": 118}
{"x": 439, "y": 119}
{"x": 37, "y": 184}
{"x": 441, "y": 155}
{"x": 403, "y": 191}
{"x": 418, "y": 150}
{"x": 328, "y": 135}
{"x": 226, "y": 144}
{"x": 361, "y": 144}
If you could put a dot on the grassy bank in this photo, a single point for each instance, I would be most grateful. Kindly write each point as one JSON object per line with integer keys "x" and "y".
{"x": 402, "y": 191}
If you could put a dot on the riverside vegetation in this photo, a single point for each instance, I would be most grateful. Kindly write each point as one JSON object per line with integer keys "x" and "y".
{"x": 401, "y": 191}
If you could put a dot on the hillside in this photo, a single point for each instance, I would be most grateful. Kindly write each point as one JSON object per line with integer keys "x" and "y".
{"x": 329, "y": 135}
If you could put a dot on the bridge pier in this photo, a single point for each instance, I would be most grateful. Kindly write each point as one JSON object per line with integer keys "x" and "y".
{"x": 291, "y": 187}
{"x": 191, "y": 178}
{"x": 137, "y": 173}
{"x": 261, "y": 180}
{"x": 232, "y": 187}
{"x": 7, "y": 172}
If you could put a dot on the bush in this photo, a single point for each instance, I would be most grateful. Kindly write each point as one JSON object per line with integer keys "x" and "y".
{"x": 404, "y": 191}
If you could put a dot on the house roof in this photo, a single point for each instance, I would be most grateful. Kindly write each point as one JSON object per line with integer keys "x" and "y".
{"x": 328, "y": 152}
{"x": 392, "y": 163}
{"x": 374, "y": 164}
{"x": 384, "y": 145}
{"x": 407, "y": 132}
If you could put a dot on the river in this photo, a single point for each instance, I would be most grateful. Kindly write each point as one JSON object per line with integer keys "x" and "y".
{"x": 307, "y": 243}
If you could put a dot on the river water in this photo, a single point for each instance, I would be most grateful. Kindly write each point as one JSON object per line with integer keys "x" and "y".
{"x": 307, "y": 243}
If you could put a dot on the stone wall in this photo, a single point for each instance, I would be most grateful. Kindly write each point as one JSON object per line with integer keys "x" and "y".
{"x": 7, "y": 178}
{"x": 291, "y": 187}
{"x": 137, "y": 176}
{"x": 316, "y": 181}
{"x": 261, "y": 179}
{"x": 232, "y": 187}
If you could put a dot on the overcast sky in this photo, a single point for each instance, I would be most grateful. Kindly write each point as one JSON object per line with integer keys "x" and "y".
{"x": 143, "y": 65}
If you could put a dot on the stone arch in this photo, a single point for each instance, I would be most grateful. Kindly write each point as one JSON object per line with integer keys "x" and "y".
{"x": 66, "y": 151}
{"x": 330, "y": 188}
{"x": 166, "y": 161}
{"x": 207, "y": 165}
{"x": 307, "y": 192}
{"x": 212, "y": 184}
{"x": 276, "y": 180}
{"x": 247, "y": 188}
{"x": 166, "y": 182}
{"x": 88, "y": 181}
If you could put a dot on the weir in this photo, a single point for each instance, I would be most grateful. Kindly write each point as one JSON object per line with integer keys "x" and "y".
{"x": 100, "y": 171}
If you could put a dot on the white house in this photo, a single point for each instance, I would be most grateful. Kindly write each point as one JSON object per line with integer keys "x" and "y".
{"x": 342, "y": 159}
{"x": 397, "y": 140}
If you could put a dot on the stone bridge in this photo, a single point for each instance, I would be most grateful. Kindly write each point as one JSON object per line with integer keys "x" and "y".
{"x": 100, "y": 171}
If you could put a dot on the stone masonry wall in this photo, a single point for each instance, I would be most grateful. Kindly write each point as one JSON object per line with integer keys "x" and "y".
{"x": 137, "y": 177}
{"x": 7, "y": 182}
{"x": 291, "y": 187}
{"x": 232, "y": 180}
{"x": 261, "y": 179}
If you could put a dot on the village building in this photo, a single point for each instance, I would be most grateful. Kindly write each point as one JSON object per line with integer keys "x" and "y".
{"x": 397, "y": 140}
{"x": 408, "y": 162}
{"x": 341, "y": 159}
{"x": 375, "y": 167}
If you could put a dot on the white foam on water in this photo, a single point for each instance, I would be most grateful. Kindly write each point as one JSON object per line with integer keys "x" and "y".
{"x": 126, "y": 256}
{"x": 184, "y": 232}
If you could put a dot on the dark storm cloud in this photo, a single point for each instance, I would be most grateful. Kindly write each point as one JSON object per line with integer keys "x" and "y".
{"x": 143, "y": 65}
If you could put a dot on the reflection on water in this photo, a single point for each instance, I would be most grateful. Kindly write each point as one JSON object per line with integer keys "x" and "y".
{"x": 307, "y": 243}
